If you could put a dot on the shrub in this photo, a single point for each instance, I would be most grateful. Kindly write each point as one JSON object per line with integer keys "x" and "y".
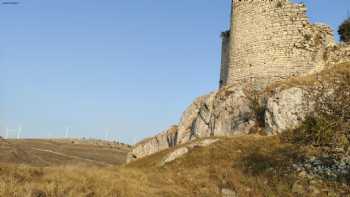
{"x": 329, "y": 124}
{"x": 256, "y": 104}
{"x": 225, "y": 34}
{"x": 279, "y": 4}
{"x": 344, "y": 31}
{"x": 307, "y": 37}
{"x": 314, "y": 130}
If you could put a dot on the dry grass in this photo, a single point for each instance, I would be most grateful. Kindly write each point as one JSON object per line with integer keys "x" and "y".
{"x": 309, "y": 80}
{"x": 61, "y": 152}
{"x": 328, "y": 125}
{"x": 250, "y": 165}
{"x": 70, "y": 181}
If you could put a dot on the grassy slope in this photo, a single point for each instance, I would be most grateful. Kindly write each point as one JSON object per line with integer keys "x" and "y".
{"x": 327, "y": 74}
{"x": 250, "y": 165}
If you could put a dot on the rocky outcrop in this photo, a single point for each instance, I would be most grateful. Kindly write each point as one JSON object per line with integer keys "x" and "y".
{"x": 332, "y": 165}
{"x": 189, "y": 117}
{"x": 202, "y": 143}
{"x": 162, "y": 141}
{"x": 174, "y": 155}
{"x": 229, "y": 112}
{"x": 225, "y": 192}
{"x": 177, "y": 153}
{"x": 286, "y": 110}
{"x": 223, "y": 113}
{"x": 233, "y": 110}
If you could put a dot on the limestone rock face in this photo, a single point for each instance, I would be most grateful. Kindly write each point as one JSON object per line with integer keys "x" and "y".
{"x": 286, "y": 110}
{"x": 222, "y": 113}
{"x": 162, "y": 141}
{"x": 174, "y": 155}
{"x": 190, "y": 115}
{"x": 203, "y": 143}
{"x": 228, "y": 113}
{"x": 180, "y": 152}
{"x": 228, "y": 192}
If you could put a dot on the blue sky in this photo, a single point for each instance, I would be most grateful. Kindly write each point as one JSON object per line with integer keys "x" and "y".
{"x": 131, "y": 67}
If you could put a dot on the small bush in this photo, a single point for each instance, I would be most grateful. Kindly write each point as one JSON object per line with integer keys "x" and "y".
{"x": 329, "y": 124}
{"x": 279, "y": 4}
{"x": 307, "y": 37}
{"x": 256, "y": 104}
{"x": 225, "y": 34}
{"x": 317, "y": 131}
{"x": 344, "y": 31}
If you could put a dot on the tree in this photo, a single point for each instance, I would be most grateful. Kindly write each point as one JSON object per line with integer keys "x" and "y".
{"x": 344, "y": 31}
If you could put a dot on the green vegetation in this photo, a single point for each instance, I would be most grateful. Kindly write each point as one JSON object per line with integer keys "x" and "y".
{"x": 257, "y": 105}
{"x": 344, "y": 31}
{"x": 279, "y": 4}
{"x": 329, "y": 124}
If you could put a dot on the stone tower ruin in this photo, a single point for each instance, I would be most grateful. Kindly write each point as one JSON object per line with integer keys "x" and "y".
{"x": 271, "y": 40}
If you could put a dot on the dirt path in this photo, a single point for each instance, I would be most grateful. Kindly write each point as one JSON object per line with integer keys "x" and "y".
{"x": 72, "y": 156}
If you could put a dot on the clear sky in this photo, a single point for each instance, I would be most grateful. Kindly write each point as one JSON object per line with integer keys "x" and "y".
{"x": 131, "y": 67}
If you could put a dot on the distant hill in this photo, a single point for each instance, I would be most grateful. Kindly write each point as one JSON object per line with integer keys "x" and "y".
{"x": 37, "y": 152}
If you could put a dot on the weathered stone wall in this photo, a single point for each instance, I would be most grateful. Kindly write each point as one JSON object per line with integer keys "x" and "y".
{"x": 338, "y": 54}
{"x": 272, "y": 40}
{"x": 225, "y": 53}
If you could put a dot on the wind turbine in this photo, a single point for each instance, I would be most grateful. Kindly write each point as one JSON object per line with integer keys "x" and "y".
{"x": 19, "y": 131}
{"x": 7, "y": 133}
{"x": 66, "y": 135}
{"x": 107, "y": 134}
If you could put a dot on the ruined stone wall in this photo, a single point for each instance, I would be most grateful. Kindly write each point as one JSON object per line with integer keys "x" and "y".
{"x": 225, "y": 53}
{"x": 338, "y": 54}
{"x": 272, "y": 40}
